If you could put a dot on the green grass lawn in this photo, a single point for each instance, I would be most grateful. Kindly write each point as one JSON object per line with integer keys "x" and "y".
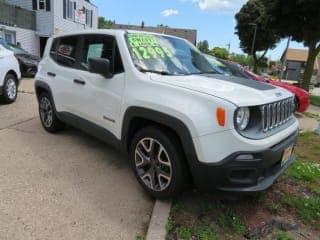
{"x": 315, "y": 100}
{"x": 295, "y": 196}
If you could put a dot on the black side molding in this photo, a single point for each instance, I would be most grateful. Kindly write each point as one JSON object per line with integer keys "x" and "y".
{"x": 90, "y": 128}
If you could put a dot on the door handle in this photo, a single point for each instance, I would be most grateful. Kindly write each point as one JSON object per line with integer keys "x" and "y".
{"x": 51, "y": 74}
{"x": 77, "y": 81}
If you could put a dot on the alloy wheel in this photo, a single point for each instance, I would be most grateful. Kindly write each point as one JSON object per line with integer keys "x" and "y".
{"x": 153, "y": 164}
{"x": 11, "y": 89}
{"x": 46, "y": 112}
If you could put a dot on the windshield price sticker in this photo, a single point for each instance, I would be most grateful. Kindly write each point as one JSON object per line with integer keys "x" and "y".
{"x": 146, "y": 47}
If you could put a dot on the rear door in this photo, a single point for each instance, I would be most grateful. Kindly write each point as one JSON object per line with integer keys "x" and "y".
{"x": 61, "y": 69}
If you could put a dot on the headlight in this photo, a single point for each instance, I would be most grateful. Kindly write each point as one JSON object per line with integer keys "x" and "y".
{"x": 242, "y": 118}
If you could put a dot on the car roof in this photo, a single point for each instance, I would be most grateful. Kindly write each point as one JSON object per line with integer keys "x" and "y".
{"x": 119, "y": 32}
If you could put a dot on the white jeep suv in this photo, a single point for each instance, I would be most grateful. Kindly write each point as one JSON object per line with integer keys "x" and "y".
{"x": 9, "y": 76}
{"x": 157, "y": 98}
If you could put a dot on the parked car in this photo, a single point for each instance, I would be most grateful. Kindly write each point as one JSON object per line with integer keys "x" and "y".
{"x": 157, "y": 98}
{"x": 229, "y": 68}
{"x": 9, "y": 76}
{"x": 28, "y": 62}
{"x": 302, "y": 99}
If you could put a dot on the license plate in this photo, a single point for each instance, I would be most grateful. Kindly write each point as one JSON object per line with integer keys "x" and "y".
{"x": 286, "y": 155}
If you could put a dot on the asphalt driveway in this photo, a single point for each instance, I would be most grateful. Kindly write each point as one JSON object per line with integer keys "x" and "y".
{"x": 63, "y": 186}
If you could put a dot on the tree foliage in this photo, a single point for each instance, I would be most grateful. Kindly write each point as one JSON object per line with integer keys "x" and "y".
{"x": 219, "y": 52}
{"x": 299, "y": 19}
{"x": 203, "y": 46}
{"x": 105, "y": 24}
{"x": 242, "y": 59}
{"x": 253, "y": 12}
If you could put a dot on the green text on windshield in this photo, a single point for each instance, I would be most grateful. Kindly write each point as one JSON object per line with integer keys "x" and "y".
{"x": 165, "y": 54}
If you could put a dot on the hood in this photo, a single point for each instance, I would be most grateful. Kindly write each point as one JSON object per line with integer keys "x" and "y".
{"x": 30, "y": 57}
{"x": 240, "y": 91}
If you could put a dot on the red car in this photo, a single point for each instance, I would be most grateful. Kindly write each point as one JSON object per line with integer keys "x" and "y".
{"x": 301, "y": 96}
{"x": 229, "y": 68}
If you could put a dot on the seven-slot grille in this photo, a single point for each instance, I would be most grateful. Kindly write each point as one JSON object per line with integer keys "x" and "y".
{"x": 277, "y": 113}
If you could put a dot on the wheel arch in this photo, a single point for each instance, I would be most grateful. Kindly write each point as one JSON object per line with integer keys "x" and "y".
{"x": 12, "y": 72}
{"x": 137, "y": 117}
{"x": 41, "y": 87}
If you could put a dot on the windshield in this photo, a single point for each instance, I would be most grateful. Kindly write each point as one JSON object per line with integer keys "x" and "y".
{"x": 227, "y": 68}
{"x": 12, "y": 47}
{"x": 166, "y": 55}
{"x": 17, "y": 49}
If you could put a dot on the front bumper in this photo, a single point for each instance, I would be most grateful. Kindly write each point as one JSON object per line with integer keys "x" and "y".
{"x": 245, "y": 171}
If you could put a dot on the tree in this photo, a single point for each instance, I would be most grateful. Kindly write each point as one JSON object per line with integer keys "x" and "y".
{"x": 162, "y": 26}
{"x": 253, "y": 14}
{"x": 299, "y": 19}
{"x": 219, "y": 52}
{"x": 105, "y": 24}
{"x": 203, "y": 46}
{"x": 242, "y": 59}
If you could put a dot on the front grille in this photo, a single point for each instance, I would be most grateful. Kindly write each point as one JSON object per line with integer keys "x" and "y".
{"x": 276, "y": 114}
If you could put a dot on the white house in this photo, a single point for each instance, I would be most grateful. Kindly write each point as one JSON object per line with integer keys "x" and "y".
{"x": 31, "y": 22}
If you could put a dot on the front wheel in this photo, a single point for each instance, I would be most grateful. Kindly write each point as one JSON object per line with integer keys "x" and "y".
{"x": 10, "y": 89}
{"x": 157, "y": 162}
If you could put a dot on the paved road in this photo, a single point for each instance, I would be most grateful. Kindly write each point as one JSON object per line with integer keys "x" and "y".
{"x": 63, "y": 186}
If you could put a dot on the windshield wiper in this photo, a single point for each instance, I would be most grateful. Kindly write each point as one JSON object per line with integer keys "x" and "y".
{"x": 154, "y": 71}
{"x": 209, "y": 72}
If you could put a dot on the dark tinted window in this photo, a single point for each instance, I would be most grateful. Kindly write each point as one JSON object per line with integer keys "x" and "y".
{"x": 101, "y": 46}
{"x": 53, "y": 49}
{"x": 66, "y": 51}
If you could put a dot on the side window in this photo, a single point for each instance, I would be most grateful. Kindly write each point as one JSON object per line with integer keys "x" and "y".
{"x": 101, "y": 46}
{"x": 66, "y": 51}
{"x": 53, "y": 49}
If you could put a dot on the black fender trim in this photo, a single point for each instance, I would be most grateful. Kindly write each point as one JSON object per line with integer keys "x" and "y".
{"x": 173, "y": 123}
{"x": 40, "y": 84}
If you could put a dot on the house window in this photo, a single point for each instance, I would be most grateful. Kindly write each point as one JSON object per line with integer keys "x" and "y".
{"x": 88, "y": 17}
{"x": 42, "y": 4}
{"x": 68, "y": 9}
{"x": 9, "y": 37}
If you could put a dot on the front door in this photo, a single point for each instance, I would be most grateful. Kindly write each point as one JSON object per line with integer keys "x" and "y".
{"x": 101, "y": 97}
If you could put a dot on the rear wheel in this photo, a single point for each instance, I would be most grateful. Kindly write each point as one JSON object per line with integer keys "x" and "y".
{"x": 157, "y": 161}
{"x": 10, "y": 89}
{"x": 48, "y": 117}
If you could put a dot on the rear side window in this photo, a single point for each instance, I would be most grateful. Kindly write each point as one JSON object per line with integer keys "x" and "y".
{"x": 66, "y": 51}
{"x": 101, "y": 46}
{"x": 53, "y": 49}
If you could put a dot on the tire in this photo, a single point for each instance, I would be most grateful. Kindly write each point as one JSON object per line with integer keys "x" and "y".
{"x": 10, "y": 89}
{"x": 296, "y": 104}
{"x": 47, "y": 114}
{"x": 157, "y": 161}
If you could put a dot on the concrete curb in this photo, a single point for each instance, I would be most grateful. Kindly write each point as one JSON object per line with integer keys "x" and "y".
{"x": 159, "y": 219}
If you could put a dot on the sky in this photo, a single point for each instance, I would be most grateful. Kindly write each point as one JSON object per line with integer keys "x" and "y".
{"x": 213, "y": 19}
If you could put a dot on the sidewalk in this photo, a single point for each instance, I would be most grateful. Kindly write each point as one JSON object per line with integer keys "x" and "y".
{"x": 315, "y": 91}
{"x": 26, "y": 85}
{"x": 314, "y": 109}
{"x": 307, "y": 123}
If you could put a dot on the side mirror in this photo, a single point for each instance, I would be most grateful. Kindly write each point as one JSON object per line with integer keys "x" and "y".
{"x": 100, "y": 66}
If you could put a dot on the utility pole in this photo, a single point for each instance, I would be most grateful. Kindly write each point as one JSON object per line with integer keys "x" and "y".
{"x": 284, "y": 62}
{"x": 229, "y": 45}
{"x": 254, "y": 39}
